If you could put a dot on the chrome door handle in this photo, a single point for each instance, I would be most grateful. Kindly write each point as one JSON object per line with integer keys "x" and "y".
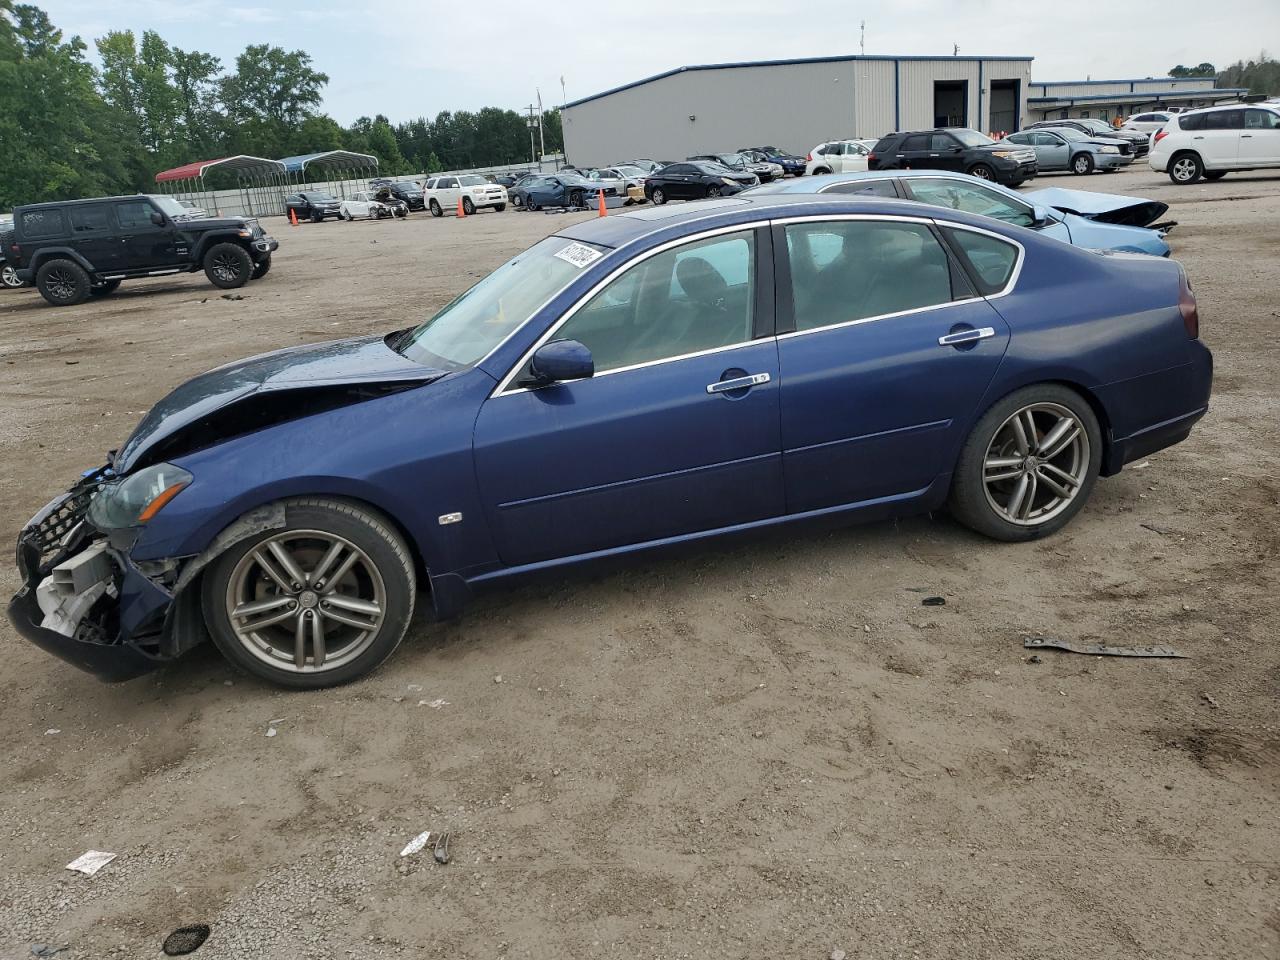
{"x": 738, "y": 383}
{"x": 966, "y": 336}
{"x": 1246, "y": 136}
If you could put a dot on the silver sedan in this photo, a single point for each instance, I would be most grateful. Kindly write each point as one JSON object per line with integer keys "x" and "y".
{"x": 1062, "y": 148}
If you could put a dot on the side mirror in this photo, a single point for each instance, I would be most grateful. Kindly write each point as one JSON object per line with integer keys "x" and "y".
{"x": 157, "y": 218}
{"x": 558, "y": 361}
{"x": 1040, "y": 216}
{"x": 556, "y": 183}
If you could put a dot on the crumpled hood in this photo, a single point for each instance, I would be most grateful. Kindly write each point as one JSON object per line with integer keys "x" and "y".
{"x": 336, "y": 364}
{"x": 1104, "y": 207}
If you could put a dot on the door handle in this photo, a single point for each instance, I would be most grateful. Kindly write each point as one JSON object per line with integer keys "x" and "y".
{"x": 965, "y": 336}
{"x": 1246, "y": 136}
{"x": 740, "y": 383}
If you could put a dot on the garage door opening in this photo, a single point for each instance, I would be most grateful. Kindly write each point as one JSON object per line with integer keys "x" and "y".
{"x": 950, "y": 103}
{"x": 1005, "y": 95}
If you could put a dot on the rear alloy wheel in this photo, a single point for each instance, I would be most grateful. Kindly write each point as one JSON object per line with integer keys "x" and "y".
{"x": 1029, "y": 464}
{"x": 1185, "y": 169}
{"x": 63, "y": 283}
{"x": 982, "y": 172}
{"x": 319, "y": 603}
{"x": 659, "y": 196}
{"x": 435, "y": 208}
{"x": 820, "y": 171}
{"x": 1082, "y": 163}
{"x": 228, "y": 265}
{"x": 468, "y": 207}
{"x": 103, "y": 289}
{"x": 9, "y": 277}
{"x": 713, "y": 191}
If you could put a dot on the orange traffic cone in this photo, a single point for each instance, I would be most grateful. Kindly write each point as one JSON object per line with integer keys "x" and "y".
{"x": 293, "y": 217}
{"x": 461, "y": 213}
{"x": 602, "y": 213}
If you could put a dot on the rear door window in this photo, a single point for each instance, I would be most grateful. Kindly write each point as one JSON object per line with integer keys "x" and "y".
{"x": 848, "y": 270}
{"x": 919, "y": 141}
{"x": 1224, "y": 120}
{"x": 89, "y": 219}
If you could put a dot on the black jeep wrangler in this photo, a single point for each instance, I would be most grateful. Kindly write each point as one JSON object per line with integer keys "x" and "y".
{"x": 81, "y": 248}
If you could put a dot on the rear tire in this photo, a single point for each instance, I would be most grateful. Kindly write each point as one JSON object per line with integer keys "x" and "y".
{"x": 1185, "y": 169}
{"x": 379, "y": 589}
{"x": 1214, "y": 174}
{"x": 228, "y": 265}
{"x": 63, "y": 283}
{"x": 103, "y": 289}
{"x": 982, "y": 172}
{"x": 9, "y": 277}
{"x": 819, "y": 171}
{"x": 1081, "y": 164}
{"x": 985, "y": 502}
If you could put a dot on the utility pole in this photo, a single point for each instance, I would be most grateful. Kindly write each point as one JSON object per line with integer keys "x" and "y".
{"x": 531, "y": 123}
{"x": 862, "y": 43}
{"x": 955, "y": 49}
{"x": 542, "y": 140}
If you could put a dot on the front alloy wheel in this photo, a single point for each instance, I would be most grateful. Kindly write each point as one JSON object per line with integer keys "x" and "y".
{"x": 318, "y": 603}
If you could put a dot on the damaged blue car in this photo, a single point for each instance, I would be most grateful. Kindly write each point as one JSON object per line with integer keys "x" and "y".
{"x": 640, "y": 381}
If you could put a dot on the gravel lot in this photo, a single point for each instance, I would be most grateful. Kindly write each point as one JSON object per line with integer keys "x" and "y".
{"x": 763, "y": 751}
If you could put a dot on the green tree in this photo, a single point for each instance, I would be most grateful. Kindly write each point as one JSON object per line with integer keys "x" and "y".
{"x": 1260, "y": 76}
{"x": 271, "y": 92}
{"x": 1201, "y": 70}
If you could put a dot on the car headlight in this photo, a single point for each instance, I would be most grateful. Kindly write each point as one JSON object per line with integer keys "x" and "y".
{"x": 1002, "y": 154}
{"x": 732, "y": 183}
{"x": 137, "y": 498}
{"x": 1109, "y": 150}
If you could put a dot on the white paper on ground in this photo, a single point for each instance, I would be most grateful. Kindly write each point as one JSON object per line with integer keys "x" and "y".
{"x": 416, "y": 844}
{"x": 91, "y": 862}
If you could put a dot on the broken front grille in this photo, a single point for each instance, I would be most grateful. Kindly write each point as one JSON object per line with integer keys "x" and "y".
{"x": 47, "y": 534}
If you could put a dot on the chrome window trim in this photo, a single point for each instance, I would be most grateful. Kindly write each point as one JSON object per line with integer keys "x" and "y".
{"x": 504, "y": 388}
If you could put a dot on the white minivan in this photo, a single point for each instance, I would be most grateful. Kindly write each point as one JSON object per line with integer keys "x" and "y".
{"x": 1211, "y": 142}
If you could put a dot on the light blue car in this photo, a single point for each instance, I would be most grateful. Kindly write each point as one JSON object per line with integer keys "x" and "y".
{"x": 1081, "y": 222}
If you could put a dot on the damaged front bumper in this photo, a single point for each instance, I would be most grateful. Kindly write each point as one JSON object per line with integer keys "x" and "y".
{"x": 83, "y": 600}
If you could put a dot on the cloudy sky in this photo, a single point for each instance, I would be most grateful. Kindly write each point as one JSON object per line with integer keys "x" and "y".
{"x": 407, "y": 59}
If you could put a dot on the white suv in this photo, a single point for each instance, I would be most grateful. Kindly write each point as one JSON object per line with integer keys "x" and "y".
{"x": 1147, "y": 122}
{"x": 443, "y": 193}
{"x": 1211, "y": 142}
{"x": 837, "y": 156}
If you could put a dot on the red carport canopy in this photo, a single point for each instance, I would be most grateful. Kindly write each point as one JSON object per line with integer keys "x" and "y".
{"x": 259, "y": 166}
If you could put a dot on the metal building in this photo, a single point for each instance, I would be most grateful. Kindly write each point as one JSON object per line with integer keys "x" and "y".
{"x": 793, "y": 104}
{"x": 1106, "y": 99}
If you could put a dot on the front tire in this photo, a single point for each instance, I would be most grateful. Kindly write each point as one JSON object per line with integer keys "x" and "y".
{"x": 713, "y": 191}
{"x": 228, "y": 265}
{"x": 1028, "y": 465}
{"x": 1081, "y": 164}
{"x": 499, "y": 207}
{"x": 319, "y": 603}
{"x": 63, "y": 283}
{"x": 468, "y": 207}
{"x": 1185, "y": 169}
{"x": 435, "y": 208}
{"x": 982, "y": 172}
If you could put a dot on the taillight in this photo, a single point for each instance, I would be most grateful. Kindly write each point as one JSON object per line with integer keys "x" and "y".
{"x": 871, "y": 158}
{"x": 1187, "y": 307}
{"x": 808, "y": 158}
{"x": 1160, "y": 135}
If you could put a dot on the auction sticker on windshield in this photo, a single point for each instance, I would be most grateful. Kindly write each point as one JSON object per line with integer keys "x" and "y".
{"x": 579, "y": 254}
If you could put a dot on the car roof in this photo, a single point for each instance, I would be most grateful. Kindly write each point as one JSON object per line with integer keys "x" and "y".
{"x": 666, "y": 221}
{"x": 67, "y": 203}
{"x": 1265, "y": 105}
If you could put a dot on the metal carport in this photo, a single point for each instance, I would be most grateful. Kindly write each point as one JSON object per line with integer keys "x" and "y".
{"x": 258, "y": 179}
{"x": 333, "y": 168}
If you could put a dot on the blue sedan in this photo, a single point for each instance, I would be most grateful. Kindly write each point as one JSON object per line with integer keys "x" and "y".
{"x": 639, "y": 381}
{"x": 974, "y": 195}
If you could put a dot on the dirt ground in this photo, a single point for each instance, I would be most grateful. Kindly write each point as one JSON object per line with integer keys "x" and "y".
{"x": 760, "y": 751}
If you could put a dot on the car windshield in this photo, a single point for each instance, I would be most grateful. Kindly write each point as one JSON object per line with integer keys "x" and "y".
{"x": 472, "y": 181}
{"x": 466, "y": 330}
{"x": 171, "y": 207}
{"x": 631, "y": 171}
{"x": 715, "y": 169}
{"x": 1067, "y": 133}
{"x": 971, "y": 138}
{"x": 732, "y": 159}
{"x": 317, "y": 196}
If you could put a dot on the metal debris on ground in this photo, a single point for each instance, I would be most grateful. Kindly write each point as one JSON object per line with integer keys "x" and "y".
{"x": 47, "y": 949}
{"x": 1209, "y": 700}
{"x": 933, "y": 602}
{"x": 442, "y": 848}
{"x": 1102, "y": 649}
{"x": 90, "y": 862}
{"x": 416, "y": 844}
{"x": 185, "y": 940}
